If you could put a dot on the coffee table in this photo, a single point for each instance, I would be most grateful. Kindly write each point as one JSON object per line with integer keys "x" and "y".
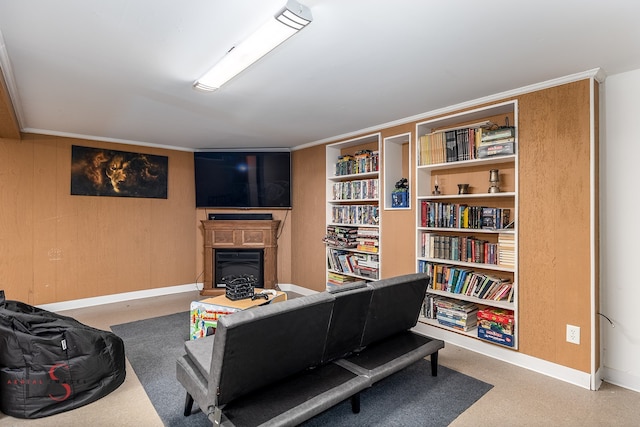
{"x": 204, "y": 314}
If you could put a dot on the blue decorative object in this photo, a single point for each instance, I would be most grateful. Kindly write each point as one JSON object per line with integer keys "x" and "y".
{"x": 400, "y": 199}
{"x": 400, "y": 195}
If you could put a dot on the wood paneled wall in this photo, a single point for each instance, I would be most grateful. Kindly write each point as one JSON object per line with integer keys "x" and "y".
{"x": 308, "y": 260}
{"x": 57, "y": 247}
{"x": 554, "y": 223}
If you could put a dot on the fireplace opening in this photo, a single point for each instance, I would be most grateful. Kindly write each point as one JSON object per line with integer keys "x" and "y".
{"x": 237, "y": 263}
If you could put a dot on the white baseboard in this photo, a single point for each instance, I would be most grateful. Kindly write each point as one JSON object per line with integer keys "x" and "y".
{"x": 563, "y": 373}
{"x": 622, "y": 379}
{"x": 126, "y": 296}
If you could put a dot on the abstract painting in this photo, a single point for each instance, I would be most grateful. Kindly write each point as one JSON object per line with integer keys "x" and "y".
{"x": 100, "y": 172}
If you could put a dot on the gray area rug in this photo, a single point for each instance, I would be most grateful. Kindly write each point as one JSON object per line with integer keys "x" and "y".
{"x": 411, "y": 397}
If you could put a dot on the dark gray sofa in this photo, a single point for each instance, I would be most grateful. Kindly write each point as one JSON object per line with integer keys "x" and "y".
{"x": 281, "y": 364}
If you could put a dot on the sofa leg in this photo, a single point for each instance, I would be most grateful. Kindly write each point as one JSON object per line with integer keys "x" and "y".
{"x": 434, "y": 364}
{"x": 355, "y": 403}
{"x": 188, "y": 404}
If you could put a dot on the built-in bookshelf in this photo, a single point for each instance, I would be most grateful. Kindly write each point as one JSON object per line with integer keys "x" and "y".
{"x": 467, "y": 219}
{"x": 353, "y": 210}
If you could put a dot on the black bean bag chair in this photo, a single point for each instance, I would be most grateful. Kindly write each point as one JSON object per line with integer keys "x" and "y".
{"x": 51, "y": 363}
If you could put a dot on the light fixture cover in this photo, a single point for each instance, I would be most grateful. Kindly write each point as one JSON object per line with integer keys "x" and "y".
{"x": 288, "y": 21}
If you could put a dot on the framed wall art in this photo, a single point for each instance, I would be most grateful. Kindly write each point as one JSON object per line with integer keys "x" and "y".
{"x": 100, "y": 172}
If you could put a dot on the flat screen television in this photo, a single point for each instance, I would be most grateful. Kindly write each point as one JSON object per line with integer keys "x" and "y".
{"x": 243, "y": 179}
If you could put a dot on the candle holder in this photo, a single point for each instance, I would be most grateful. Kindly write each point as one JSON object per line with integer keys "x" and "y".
{"x": 436, "y": 191}
{"x": 463, "y": 188}
{"x": 494, "y": 179}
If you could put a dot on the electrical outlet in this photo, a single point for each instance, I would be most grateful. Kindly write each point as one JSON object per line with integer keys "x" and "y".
{"x": 573, "y": 334}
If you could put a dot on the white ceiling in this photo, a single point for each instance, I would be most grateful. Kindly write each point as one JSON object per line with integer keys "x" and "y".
{"x": 122, "y": 70}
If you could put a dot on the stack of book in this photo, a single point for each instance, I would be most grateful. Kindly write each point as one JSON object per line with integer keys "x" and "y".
{"x": 368, "y": 239}
{"x": 337, "y": 279}
{"x": 341, "y": 237}
{"x": 497, "y": 325}
{"x": 366, "y": 265}
{"x": 506, "y": 250}
{"x": 456, "y": 314}
{"x": 499, "y": 142}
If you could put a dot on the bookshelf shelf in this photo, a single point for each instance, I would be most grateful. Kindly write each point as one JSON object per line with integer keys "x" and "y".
{"x": 469, "y": 230}
{"x": 467, "y": 163}
{"x": 447, "y": 153}
{"x": 353, "y": 176}
{"x": 476, "y": 265}
{"x": 433, "y": 322}
{"x": 503, "y": 195}
{"x": 354, "y": 222}
{"x": 481, "y": 301}
{"x": 354, "y": 200}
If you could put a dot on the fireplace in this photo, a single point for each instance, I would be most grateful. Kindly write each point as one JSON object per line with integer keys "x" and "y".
{"x": 230, "y": 263}
{"x": 247, "y": 239}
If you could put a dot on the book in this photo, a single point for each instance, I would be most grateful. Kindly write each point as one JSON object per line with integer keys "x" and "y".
{"x": 451, "y": 145}
{"x": 499, "y": 149}
{"x": 500, "y": 133}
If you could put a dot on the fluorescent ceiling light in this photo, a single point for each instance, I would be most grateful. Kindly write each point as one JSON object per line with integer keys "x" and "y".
{"x": 288, "y": 21}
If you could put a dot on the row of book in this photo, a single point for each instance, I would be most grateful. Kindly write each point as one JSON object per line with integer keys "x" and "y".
{"x": 365, "y": 189}
{"x": 448, "y": 146}
{"x": 457, "y": 215}
{"x": 458, "y": 248}
{"x": 363, "y": 265}
{"x": 463, "y": 281}
{"x": 355, "y": 214}
{"x": 365, "y": 239}
{"x": 362, "y": 161}
{"x": 457, "y": 145}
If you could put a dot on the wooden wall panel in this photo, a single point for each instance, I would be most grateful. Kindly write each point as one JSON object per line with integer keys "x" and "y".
{"x": 16, "y": 219}
{"x": 87, "y": 246}
{"x": 308, "y": 218}
{"x": 9, "y": 127}
{"x": 554, "y": 244}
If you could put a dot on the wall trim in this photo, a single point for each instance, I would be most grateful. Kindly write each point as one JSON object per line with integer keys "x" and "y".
{"x": 621, "y": 379}
{"x": 563, "y": 373}
{"x": 125, "y": 296}
{"x": 103, "y": 139}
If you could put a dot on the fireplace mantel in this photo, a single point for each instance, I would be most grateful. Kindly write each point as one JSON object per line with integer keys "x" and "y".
{"x": 240, "y": 234}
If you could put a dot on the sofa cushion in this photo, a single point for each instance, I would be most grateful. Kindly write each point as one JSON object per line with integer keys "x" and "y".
{"x": 395, "y": 306}
{"x": 201, "y": 351}
{"x": 347, "y": 320}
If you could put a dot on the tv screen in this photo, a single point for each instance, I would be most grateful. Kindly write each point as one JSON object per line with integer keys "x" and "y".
{"x": 243, "y": 179}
